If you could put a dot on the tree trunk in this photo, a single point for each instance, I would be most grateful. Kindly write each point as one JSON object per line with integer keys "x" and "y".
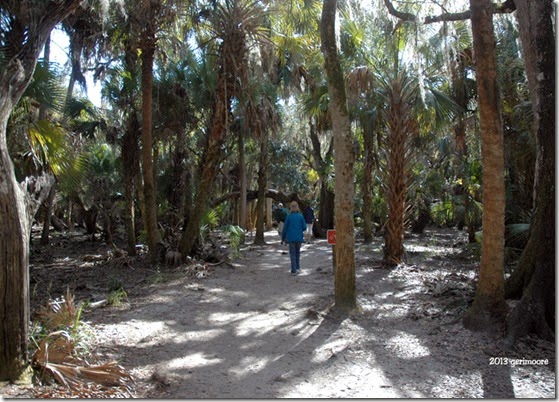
{"x": 130, "y": 165}
{"x": 461, "y": 98}
{"x": 232, "y": 61}
{"x": 14, "y": 275}
{"x": 535, "y": 273}
{"x": 178, "y": 190}
{"x": 21, "y": 48}
{"x": 401, "y": 124}
{"x": 344, "y": 286}
{"x": 489, "y": 307}
{"x": 326, "y": 201}
{"x": 16, "y": 215}
{"x": 45, "y": 234}
{"x": 242, "y": 182}
{"x": 150, "y": 199}
{"x": 211, "y": 160}
{"x": 269, "y": 218}
{"x": 261, "y": 205}
{"x": 325, "y": 210}
{"x": 367, "y": 212}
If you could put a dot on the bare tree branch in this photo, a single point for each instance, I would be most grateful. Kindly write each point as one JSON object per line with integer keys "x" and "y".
{"x": 270, "y": 193}
{"x": 504, "y": 8}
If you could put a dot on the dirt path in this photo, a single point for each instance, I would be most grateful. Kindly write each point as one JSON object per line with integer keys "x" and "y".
{"x": 251, "y": 330}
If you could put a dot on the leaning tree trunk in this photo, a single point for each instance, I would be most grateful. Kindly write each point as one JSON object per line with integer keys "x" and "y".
{"x": 22, "y": 45}
{"x": 489, "y": 307}
{"x": 535, "y": 273}
{"x": 344, "y": 283}
{"x": 232, "y": 70}
{"x": 211, "y": 160}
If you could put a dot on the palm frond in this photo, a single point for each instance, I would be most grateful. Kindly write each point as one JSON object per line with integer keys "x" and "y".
{"x": 45, "y": 88}
{"x": 443, "y": 105}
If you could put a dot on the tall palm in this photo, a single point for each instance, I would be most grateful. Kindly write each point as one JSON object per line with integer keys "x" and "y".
{"x": 147, "y": 19}
{"x": 235, "y": 21}
{"x": 399, "y": 91}
{"x": 122, "y": 91}
{"x": 408, "y": 109}
{"x": 148, "y": 24}
{"x": 260, "y": 118}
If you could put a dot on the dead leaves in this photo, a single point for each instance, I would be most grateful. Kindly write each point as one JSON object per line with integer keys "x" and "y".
{"x": 61, "y": 356}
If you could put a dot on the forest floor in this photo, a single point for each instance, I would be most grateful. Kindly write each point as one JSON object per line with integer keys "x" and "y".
{"x": 248, "y": 329}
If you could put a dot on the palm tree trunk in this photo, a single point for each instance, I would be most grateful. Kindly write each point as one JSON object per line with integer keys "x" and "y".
{"x": 148, "y": 50}
{"x": 400, "y": 126}
{"x": 211, "y": 159}
{"x": 367, "y": 212}
{"x": 243, "y": 182}
{"x": 326, "y": 201}
{"x": 461, "y": 98}
{"x": 130, "y": 165}
{"x": 261, "y": 204}
{"x": 45, "y": 234}
{"x": 489, "y": 307}
{"x": 344, "y": 286}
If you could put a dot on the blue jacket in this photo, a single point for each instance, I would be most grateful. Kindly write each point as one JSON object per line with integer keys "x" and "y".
{"x": 293, "y": 228}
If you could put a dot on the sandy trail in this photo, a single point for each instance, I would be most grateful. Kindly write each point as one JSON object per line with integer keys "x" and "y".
{"x": 251, "y": 330}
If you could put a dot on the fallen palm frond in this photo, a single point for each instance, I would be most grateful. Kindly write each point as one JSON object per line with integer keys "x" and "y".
{"x": 61, "y": 357}
{"x": 56, "y": 357}
{"x": 59, "y": 313}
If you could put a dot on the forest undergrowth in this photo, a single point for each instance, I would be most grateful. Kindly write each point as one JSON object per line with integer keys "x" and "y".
{"x": 245, "y": 328}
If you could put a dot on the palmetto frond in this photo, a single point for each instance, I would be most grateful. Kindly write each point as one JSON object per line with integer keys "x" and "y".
{"x": 240, "y": 17}
{"x": 46, "y": 88}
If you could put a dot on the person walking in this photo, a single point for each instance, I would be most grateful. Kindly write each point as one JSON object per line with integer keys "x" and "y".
{"x": 308, "y": 214}
{"x": 292, "y": 233}
{"x": 280, "y": 215}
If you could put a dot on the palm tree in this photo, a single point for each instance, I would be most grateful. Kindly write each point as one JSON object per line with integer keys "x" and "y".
{"x": 148, "y": 25}
{"x": 400, "y": 93}
{"x": 234, "y": 23}
{"x": 146, "y": 21}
